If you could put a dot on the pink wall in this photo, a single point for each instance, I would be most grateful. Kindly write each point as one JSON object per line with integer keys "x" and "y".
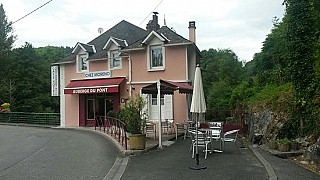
{"x": 72, "y": 110}
{"x": 180, "y": 109}
{"x": 175, "y": 65}
{"x": 100, "y": 65}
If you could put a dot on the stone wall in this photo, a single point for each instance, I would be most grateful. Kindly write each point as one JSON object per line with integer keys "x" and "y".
{"x": 265, "y": 125}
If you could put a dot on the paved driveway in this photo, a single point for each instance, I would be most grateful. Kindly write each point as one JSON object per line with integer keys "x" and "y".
{"x": 45, "y": 153}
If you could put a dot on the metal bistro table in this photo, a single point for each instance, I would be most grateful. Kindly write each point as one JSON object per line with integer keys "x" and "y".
{"x": 215, "y": 133}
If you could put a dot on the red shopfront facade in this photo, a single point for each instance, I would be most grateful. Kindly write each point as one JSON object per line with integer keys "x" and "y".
{"x": 97, "y": 97}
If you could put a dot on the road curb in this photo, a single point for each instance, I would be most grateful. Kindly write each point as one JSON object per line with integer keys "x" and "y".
{"x": 271, "y": 173}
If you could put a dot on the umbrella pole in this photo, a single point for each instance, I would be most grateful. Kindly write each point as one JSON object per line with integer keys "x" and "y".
{"x": 197, "y": 166}
{"x": 197, "y": 150}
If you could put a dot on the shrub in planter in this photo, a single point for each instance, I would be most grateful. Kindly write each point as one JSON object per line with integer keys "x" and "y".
{"x": 294, "y": 145}
{"x": 284, "y": 145}
{"x": 131, "y": 115}
{"x": 273, "y": 144}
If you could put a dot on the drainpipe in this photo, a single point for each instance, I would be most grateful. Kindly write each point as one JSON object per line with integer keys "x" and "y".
{"x": 130, "y": 76}
{"x": 159, "y": 113}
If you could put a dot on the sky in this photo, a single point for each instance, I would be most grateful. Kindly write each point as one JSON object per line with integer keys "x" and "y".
{"x": 239, "y": 25}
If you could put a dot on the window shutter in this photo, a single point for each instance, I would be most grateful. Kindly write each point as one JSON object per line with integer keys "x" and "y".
{"x": 168, "y": 107}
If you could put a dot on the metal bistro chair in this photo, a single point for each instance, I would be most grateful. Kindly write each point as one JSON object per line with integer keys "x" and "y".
{"x": 231, "y": 136}
{"x": 167, "y": 126}
{"x": 151, "y": 129}
{"x": 181, "y": 126}
{"x": 216, "y": 133}
{"x": 203, "y": 141}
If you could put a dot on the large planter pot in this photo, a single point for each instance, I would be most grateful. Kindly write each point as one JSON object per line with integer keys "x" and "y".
{"x": 273, "y": 145}
{"x": 283, "y": 146}
{"x": 294, "y": 146}
{"x": 137, "y": 141}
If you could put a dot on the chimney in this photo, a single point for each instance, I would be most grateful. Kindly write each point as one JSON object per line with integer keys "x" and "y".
{"x": 192, "y": 31}
{"x": 153, "y": 24}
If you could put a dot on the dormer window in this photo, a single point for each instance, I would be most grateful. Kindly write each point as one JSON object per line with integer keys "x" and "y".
{"x": 115, "y": 61}
{"x": 156, "y": 57}
{"x": 82, "y": 63}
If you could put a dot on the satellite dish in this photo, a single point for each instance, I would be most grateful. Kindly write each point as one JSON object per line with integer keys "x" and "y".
{"x": 100, "y": 30}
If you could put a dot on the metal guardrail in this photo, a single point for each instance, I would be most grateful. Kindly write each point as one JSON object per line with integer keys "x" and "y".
{"x": 51, "y": 119}
{"x": 114, "y": 127}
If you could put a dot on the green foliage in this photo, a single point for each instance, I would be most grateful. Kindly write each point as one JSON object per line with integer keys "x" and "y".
{"x": 222, "y": 71}
{"x": 276, "y": 98}
{"x": 220, "y": 65}
{"x": 302, "y": 44}
{"x": 270, "y": 65}
{"x": 26, "y": 85}
{"x": 6, "y": 33}
{"x": 242, "y": 93}
{"x": 51, "y": 54}
{"x": 6, "y": 42}
{"x": 131, "y": 116}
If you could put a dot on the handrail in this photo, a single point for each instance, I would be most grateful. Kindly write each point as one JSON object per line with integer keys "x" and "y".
{"x": 114, "y": 127}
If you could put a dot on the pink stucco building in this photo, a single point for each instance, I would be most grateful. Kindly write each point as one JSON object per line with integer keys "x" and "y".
{"x": 99, "y": 76}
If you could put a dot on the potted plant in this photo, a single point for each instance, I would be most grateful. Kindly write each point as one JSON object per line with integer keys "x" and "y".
{"x": 284, "y": 145}
{"x": 131, "y": 115}
{"x": 273, "y": 144}
{"x": 294, "y": 145}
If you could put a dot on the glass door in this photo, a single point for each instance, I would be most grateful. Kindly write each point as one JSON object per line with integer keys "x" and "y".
{"x": 90, "y": 109}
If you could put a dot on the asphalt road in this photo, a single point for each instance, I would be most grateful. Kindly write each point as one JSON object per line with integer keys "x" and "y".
{"x": 45, "y": 153}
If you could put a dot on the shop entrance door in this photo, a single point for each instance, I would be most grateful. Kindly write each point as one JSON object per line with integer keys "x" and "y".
{"x": 97, "y": 105}
{"x": 103, "y": 106}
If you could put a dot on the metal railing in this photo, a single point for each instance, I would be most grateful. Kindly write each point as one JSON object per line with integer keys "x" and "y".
{"x": 51, "y": 119}
{"x": 114, "y": 127}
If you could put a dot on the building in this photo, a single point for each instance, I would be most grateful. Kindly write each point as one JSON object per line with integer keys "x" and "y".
{"x": 99, "y": 76}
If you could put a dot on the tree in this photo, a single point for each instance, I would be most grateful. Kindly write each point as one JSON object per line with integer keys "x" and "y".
{"x": 6, "y": 33}
{"x": 222, "y": 71}
{"x": 6, "y": 42}
{"x": 51, "y": 54}
{"x": 270, "y": 66}
{"x": 302, "y": 43}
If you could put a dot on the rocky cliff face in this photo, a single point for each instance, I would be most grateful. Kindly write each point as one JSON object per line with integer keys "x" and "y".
{"x": 265, "y": 125}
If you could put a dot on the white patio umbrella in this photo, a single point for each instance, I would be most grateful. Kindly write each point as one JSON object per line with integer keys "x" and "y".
{"x": 198, "y": 108}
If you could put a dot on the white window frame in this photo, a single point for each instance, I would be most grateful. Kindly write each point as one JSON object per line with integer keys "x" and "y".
{"x": 150, "y": 64}
{"x": 80, "y": 58}
{"x": 112, "y": 58}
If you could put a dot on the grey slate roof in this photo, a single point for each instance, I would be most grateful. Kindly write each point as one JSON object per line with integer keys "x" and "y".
{"x": 169, "y": 34}
{"x": 132, "y": 34}
{"x": 123, "y": 30}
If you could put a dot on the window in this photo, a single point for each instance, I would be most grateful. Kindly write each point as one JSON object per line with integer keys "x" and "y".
{"x": 156, "y": 57}
{"x": 82, "y": 63}
{"x": 154, "y": 99}
{"x": 115, "y": 61}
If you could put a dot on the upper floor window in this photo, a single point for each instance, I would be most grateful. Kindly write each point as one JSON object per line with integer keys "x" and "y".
{"x": 82, "y": 62}
{"x": 156, "y": 57}
{"x": 115, "y": 61}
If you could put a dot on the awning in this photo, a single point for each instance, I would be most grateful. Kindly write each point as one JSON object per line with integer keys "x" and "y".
{"x": 167, "y": 87}
{"x": 93, "y": 86}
